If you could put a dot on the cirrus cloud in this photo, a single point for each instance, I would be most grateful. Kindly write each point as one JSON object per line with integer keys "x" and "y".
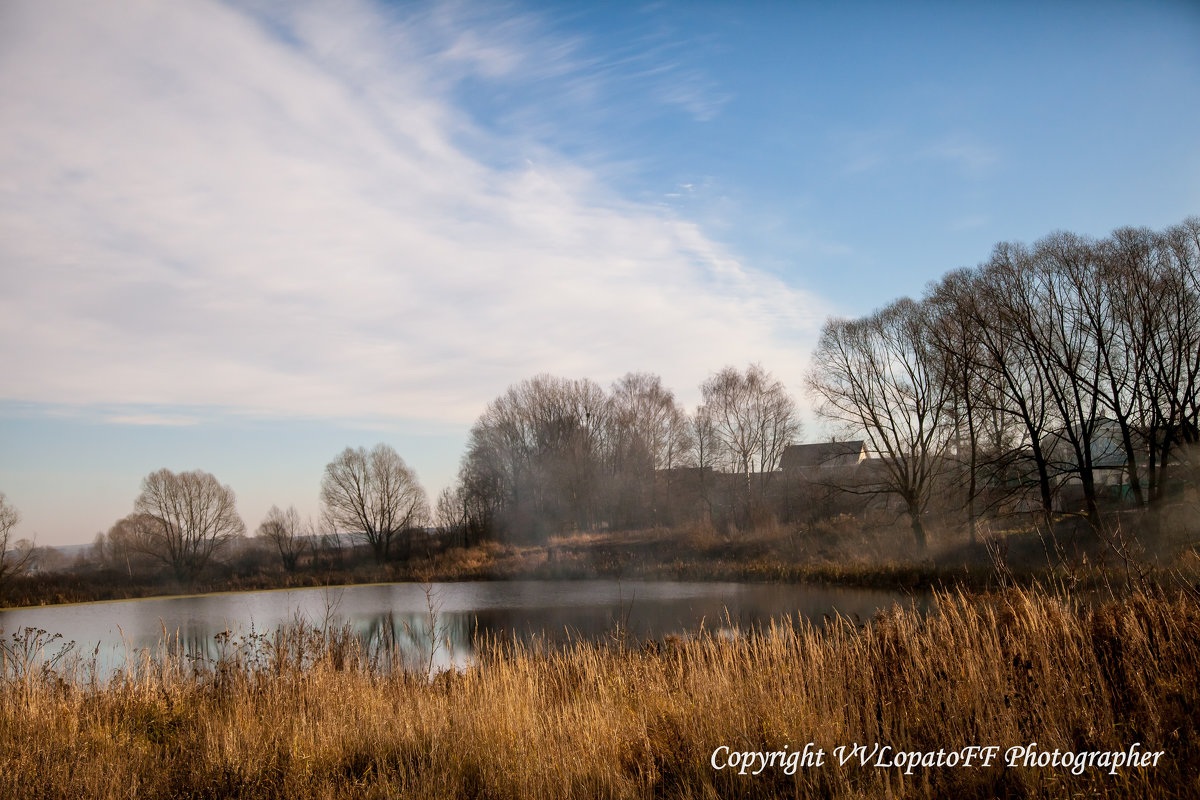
{"x": 283, "y": 210}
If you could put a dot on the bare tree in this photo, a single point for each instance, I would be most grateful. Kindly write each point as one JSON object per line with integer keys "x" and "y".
{"x": 535, "y": 460}
{"x": 122, "y": 549}
{"x": 1062, "y": 284}
{"x": 1048, "y": 362}
{"x": 703, "y": 455}
{"x": 881, "y": 377}
{"x": 374, "y": 496}
{"x": 1015, "y": 396}
{"x": 496, "y": 471}
{"x": 1168, "y": 296}
{"x": 992, "y": 408}
{"x": 953, "y": 335}
{"x": 284, "y": 530}
{"x": 14, "y": 556}
{"x": 451, "y": 513}
{"x": 189, "y": 517}
{"x": 753, "y": 420}
{"x": 463, "y": 514}
{"x": 648, "y": 433}
{"x": 481, "y": 491}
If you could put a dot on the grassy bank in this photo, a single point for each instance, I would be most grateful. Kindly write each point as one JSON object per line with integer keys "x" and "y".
{"x": 307, "y": 714}
{"x": 845, "y": 551}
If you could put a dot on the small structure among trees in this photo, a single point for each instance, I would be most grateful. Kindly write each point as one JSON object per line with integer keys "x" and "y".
{"x": 816, "y": 458}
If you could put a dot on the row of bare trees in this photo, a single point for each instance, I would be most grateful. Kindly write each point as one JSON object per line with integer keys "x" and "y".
{"x": 185, "y": 521}
{"x": 181, "y": 521}
{"x": 553, "y": 454}
{"x": 1039, "y": 367}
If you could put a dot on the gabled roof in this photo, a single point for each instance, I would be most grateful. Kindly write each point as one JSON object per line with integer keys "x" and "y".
{"x": 822, "y": 454}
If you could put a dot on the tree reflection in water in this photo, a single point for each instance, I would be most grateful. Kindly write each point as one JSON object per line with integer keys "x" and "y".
{"x": 426, "y": 627}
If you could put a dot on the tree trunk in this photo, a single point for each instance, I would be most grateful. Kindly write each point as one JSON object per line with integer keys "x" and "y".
{"x": 1135, "y": 480}
{"x": 918, "y": 531}
{"x": 918, "y": 527}
{"x": 1091, "y": 507}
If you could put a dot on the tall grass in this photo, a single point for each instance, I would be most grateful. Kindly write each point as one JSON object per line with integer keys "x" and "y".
{"x": 307, "y": 713}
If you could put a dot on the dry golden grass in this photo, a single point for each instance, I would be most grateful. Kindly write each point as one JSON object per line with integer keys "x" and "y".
{"x": 308, "y": 714}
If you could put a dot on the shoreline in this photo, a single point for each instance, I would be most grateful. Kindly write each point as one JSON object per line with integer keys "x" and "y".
{"x": 855, "y": 557}
{"x": 901, "y": 578}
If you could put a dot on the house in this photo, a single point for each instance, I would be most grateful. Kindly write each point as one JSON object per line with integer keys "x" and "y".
{"x": 1111, "y": 472}
{"x": 822, "y": 456}
{"x": 1106, "y": 451}
{"x": 816, "y": 475}
{"x": 1109, "y": 461}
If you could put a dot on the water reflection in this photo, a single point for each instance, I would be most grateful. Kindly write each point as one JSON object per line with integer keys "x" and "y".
{"x": 405, "y": 625}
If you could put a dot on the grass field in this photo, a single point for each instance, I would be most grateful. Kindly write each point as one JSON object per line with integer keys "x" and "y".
{"x": 306, "y": 714}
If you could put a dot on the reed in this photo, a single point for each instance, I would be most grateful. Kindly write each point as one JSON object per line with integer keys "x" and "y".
{"x": 307, "y": 713}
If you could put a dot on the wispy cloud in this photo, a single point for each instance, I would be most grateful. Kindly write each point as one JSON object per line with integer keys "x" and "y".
{"x": 287, "y": 212}
{"x": 867, "y": 151}
{"x": 964, "y": 153}
{"x": 969, "y": 222}
{"x": 863, "y": 151}
{"x": 156, "y": 420}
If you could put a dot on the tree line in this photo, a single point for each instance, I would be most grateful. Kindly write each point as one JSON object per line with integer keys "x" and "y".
{"x": 549, "y": 455}
{"x": 1023, "y": 370}
{"x": 553, "y": 454}
{"x": 182, "y": 521}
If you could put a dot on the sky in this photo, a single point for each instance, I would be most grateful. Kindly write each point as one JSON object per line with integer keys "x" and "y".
{"x": 242, "y": 236}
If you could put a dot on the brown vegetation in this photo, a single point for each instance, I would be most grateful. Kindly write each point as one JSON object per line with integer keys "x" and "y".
{"x": 871, "y": 550}
{"x": 306, "y": 713}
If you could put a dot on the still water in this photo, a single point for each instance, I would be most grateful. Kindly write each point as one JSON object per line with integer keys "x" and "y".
{"x": 399, "y": 614}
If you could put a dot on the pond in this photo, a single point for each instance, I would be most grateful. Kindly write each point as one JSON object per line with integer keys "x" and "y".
{"x": 400, "y": 614}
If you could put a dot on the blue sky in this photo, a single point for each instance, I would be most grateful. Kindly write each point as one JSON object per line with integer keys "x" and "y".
{"x": 241, "y": 236}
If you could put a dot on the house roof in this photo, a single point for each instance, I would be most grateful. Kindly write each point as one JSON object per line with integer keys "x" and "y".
{"x": 821, "y": 454}
{"x": 1107, "y": 449}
